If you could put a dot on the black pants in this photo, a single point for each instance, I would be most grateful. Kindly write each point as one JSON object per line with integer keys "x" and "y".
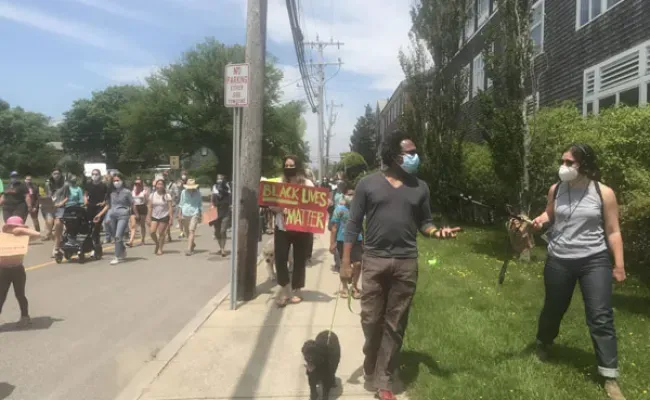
{"x": 310, "y": 246}
{"x": 283, "y": 241}
{"x": 19, "y": 210}
{"x": 17, "y": 277}
{"x": 594, "y": 274}
{"x": 93, "y": 210}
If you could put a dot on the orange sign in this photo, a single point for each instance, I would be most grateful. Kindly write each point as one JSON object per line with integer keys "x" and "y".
{"x": 306, "y": 207}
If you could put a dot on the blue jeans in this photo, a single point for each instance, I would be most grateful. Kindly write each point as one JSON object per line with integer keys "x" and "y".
{"x": 118, "y": 226}
{"x": 107, "y": 226}
{"x": 594, "y": 274}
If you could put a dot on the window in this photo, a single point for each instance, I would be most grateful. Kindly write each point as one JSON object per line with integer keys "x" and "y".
{"x": 489, "y": 80}
{"x": 588, "y": 10}
{"x": 483, "y": 11}
{"x": 537, "y": 26}
{"x": 468, "y": 82}
{"x": 621, "y": 80}
{"x": 478, "y": 75}
{"x": 469, "y": 25}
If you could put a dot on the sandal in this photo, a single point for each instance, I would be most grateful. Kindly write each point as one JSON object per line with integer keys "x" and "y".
{"x": 296, "y": 299}
{"x": 356, "y": 294}
{"x": 343, "y": 294}
{"x": 282, "y": 302}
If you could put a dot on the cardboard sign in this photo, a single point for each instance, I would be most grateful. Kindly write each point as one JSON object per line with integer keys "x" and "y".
{"x": 11, "y": 246}
{"x": 306, "y": 206}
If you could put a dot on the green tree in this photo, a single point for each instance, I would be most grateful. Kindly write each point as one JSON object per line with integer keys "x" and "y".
{"x": 92, "y": 129}
{"x": 434, "y": 114}
{"x": 183, "y": 108}
{"x": 23, "y": 141}
{"x": 363, "y": 139}
{"x": 284, "y": 132}
{"x": 503, "y": 109}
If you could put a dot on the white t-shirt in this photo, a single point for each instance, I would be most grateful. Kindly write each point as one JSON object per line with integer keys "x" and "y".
{"x": 159, "y": 206}
{"x": 279, "y": 217}
{"x": 139, "y": 199}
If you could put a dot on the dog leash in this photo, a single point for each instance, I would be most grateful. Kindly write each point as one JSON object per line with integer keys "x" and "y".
{"x": 336, "y": 306}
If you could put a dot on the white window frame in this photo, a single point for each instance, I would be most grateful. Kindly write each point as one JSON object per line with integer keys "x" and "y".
{"x": 482, "y": 12}
{"x": 641, "y": 82}
{"x": 489, "y": 80}
{"x": 467, "y": 75}
{"x": 469, "y": 24}
{"x": 538, "y": 3}
{"x": 591, "y": 18}
{"x": 495, "y": 6}
{"x": 478, "y": 74}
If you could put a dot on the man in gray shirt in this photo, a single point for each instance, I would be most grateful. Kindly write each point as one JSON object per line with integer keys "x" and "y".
{"x": 396, "y": 205}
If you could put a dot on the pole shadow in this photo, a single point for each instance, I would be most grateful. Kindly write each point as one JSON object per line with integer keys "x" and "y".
{"x": 6, "y": 389}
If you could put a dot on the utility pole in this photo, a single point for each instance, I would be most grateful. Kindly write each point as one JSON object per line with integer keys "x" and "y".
{"x": 251, "y": 152}
{"x": 329, "y": 135}
{"x": 321, "y": 64}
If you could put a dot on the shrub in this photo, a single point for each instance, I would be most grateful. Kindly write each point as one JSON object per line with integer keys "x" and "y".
{"x": 621, "y": 141}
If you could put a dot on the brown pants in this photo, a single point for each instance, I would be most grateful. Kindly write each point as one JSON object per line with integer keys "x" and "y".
{"x": 388, "y": 286}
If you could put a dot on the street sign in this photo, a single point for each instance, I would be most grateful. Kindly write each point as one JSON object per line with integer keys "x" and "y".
{"x": 174, "y": 162}
{"x": 236, "y": 85}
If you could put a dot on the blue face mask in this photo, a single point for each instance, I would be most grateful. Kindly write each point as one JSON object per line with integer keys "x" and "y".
{"x": 410, "y": 163}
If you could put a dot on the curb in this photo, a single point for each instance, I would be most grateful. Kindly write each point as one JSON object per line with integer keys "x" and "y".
{"x": 150, "y": 371}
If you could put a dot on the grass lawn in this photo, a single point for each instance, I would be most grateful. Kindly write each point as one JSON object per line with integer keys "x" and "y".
{"x": 469, "y": 339}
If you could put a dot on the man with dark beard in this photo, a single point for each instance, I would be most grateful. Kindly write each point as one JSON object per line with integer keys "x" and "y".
{"x": 396, "y": 204}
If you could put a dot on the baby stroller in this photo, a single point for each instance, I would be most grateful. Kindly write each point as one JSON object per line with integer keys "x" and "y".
{"x": 77, "y": 236}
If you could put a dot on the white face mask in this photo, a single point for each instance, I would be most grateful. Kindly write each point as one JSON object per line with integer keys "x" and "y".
{"x": 117, "y": 184}
{"x": 96, "y": 178}
{"x": 568, "y": 174}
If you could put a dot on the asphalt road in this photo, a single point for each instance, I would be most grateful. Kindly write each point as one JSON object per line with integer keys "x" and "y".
{"x": 95, "y": 325}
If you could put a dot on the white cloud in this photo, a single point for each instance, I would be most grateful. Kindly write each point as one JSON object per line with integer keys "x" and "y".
{"x": 119, "y": 10}
{"x": 122, "y": 74}
{"x": 77, "y": 31}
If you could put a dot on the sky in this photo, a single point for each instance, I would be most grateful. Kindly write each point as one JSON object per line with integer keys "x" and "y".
{"x": 57, "y": 51}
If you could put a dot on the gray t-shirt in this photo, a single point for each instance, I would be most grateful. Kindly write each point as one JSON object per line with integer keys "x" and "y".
{"x": 393, "y": 216}
{"x": 121, "y": 202}
{"x": 578, "y": 229}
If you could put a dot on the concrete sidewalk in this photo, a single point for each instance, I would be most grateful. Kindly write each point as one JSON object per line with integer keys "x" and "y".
{"x": 255, "y": 352}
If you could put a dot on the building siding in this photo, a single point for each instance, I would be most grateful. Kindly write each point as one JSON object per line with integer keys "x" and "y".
{"x": 559, "y": 69}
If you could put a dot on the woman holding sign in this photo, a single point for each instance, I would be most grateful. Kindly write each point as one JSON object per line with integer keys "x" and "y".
{"x": 284, "y": 240}
{"x": 12, "y": 270}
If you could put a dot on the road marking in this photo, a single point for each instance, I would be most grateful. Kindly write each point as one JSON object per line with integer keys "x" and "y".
{"x": 48, "y": 263}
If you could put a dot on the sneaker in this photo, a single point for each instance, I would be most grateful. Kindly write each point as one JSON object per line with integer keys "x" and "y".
{"x": 543, "y": 352}
{"x": 114, "y": 261}
{"x": 24, "y": 322}
{"x": 613, "y": 390}
{"x": 385, "y": 395}
{"x": 188, "y": 252}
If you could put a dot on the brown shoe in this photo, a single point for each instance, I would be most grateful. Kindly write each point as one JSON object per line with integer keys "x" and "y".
{"x": 613, "y": 390}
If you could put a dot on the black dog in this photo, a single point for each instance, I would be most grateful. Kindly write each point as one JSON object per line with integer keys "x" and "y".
{"x": 322, "y": 361}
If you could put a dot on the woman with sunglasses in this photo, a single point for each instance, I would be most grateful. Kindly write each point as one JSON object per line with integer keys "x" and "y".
{"x": 584, "y": 239}
{"x": 119, "y": 206}
{"x": 140, "y": 196}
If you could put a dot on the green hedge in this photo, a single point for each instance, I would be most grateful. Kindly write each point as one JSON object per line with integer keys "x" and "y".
{"x": 621, "y": 139}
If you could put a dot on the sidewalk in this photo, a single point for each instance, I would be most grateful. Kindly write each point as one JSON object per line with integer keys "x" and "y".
{"x": 255, "y": 352}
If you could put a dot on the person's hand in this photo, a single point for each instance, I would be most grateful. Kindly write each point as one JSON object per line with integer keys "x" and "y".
{"x": 619, "y": 274}
{"x": 96, "y": 219}
{"x": 346, "y": 268}
{"x": 446, "y": 233}
{"x": 148, "y": 220}
{"x": 333, "y": 248}
{"x": 285, "y": 211}
{"x": 538, "y": 223}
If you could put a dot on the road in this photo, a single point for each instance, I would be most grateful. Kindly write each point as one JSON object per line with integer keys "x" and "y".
{"x": 95, "y": 325}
